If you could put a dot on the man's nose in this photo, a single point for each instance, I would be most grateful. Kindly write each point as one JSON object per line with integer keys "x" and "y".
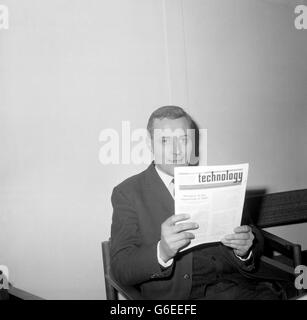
{"x": 176, "y": 146}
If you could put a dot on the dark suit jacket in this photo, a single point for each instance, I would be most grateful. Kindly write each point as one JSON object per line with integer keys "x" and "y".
{"x": 141, "y": 204}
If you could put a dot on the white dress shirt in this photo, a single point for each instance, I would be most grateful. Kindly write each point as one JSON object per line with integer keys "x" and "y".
{"x": 169, "y": 183}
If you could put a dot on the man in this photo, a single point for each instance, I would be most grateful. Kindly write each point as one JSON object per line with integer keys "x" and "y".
{"x": 146, "y": 239}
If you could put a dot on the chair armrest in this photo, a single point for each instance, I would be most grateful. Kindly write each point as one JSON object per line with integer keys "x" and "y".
{"x": 287, "y": 248}
{"x": 278, "y": 265}
{"x": 277, "y": 242}
{"x": 129, "y": 292}
{"x": 21, "y": 294}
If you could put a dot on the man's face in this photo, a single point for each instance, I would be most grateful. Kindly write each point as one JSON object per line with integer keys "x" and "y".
{"x": 171, "y": 143}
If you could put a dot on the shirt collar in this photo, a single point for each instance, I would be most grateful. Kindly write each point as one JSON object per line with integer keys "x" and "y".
{"x": 166, "y": 178}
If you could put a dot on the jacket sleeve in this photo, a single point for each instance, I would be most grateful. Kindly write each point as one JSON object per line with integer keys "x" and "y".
{"x": 132, "y": 262}
{"x": 250, "y": 265}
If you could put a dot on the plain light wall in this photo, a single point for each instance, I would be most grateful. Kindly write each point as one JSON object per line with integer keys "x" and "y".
{"x": 247, "y": 77}
{"x": 70, "y": 69}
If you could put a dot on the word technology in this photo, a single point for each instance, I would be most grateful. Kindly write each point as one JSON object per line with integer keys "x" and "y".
{"x": 212, "y": 176}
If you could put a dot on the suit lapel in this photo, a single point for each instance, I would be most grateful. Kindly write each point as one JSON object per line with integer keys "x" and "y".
{"x": 158, "y": 192}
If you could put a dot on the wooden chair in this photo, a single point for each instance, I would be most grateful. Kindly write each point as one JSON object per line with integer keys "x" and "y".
{"x": 113, "y": 288}
{"x": 279, "y": 209}
{"x": 267, "y": 210}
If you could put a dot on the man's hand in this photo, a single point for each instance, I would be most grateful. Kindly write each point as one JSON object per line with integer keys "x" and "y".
{"x": 175, "y": 236}
{"x": 241, "y": 241}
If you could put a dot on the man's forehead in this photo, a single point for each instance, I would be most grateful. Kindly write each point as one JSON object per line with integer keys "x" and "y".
{"x": 164, "y": 123}
{"x": 168, "y": 132}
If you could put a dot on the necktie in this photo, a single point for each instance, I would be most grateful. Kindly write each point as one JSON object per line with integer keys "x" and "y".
{"x": 172, "y": 187}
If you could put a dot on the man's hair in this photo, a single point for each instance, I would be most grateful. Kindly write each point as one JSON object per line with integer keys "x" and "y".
{"x": 169, "y": 112}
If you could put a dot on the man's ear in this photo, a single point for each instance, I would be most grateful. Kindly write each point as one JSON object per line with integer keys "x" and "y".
{"x": 149, "y": 142}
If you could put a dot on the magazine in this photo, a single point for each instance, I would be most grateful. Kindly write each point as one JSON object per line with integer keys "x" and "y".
{"x": 213, "y": 196}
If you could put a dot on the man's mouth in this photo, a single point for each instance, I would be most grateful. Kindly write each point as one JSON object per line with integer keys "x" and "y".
{"x": 176, "y": 161}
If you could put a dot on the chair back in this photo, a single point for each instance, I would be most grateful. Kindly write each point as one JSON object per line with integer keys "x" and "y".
{"x": 111, "y": 293}
{"x": 277, "y": 209}
{"x": 113, "y": 287}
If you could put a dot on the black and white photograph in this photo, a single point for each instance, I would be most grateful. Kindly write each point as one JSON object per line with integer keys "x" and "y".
{"x": 153, "y": 150}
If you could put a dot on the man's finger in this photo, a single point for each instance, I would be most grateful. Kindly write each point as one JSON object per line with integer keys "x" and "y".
{"x": 183, "y": 235}
{"x": 236, "y": 242}
{"x": 185, "y": 226}
{"x": 240, "y": 229}
{"x": 183, "y": 243}
{"x": 234, "y": 246}
{"x": 176, "y": 218}
{"x": 238, "y": 236}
